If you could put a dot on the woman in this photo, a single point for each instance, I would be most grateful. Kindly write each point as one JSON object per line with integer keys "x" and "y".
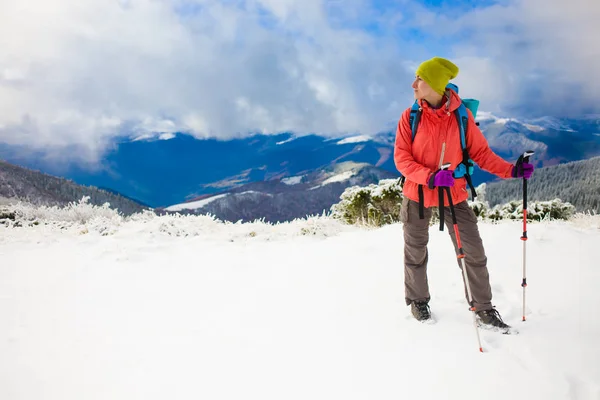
{"x": 438, "y": 142}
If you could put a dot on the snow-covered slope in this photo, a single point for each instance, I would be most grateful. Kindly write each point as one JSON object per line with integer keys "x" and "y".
{"x": 192, "y": 205}
{"x": 355, "y": 139}
{"x": 285, "y": 199}
{"x": 23, "y": 184}
{"x": 187, "y": 308}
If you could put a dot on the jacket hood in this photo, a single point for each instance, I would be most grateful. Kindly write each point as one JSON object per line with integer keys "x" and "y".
{"x": 451, "y": 102}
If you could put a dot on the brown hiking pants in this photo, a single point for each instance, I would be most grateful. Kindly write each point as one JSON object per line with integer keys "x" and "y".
{"x": 416, "y": 237}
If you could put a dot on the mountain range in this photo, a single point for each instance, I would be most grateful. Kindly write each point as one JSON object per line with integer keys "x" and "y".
{"x": 37, "y": 188}
{"x": 166, "y": 170}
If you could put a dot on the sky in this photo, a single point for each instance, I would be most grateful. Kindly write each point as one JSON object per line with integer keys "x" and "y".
{"x": 97, "y": 307}
{"x": 77, "y": 76}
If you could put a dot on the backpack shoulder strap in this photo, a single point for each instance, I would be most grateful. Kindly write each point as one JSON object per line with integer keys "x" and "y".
{"x": 415, "y": 117}
{"x": 466, "y": 169}
{"x": 413, "y": 120}
{"x": 463, "y": 124}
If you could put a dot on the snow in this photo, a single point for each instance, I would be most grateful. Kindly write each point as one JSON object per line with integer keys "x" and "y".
{"x": 150, "y": 136}
{"x": 293, "y": 180}
{"x": 166, "y": 136}
{"x": 192, "y": 205}
{"x": 253, "y": 192}
{"x": 145, "y": 136}
{"x": 286, "y": 141}
{"x": 176, "y": 307}
{"x": 355, "y": 139}
{"x": 552, "y": 123}
{"x": 534, "y": 128}
{"x": 336, "y": 178}
{"x": 340, "y": 177}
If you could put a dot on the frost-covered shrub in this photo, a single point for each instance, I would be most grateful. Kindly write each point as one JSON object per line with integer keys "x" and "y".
{"x": 374, "y": 205}
{"x": 317, "y": 226}
{"x": 386, "y": 198}
{"x": 586, "y": 220}
{"x": 480, "y": 208}
{"x": 377, "y": 205}
{"x": 82, "y": 218}
{"x": 380, "y": 204}
{"x": 553, "y": 209}
{"x": 79, "y": 215}
{"x": 80, "y": 212}
{"x": 536, "y": 210}
{"x": 511, "y": 210}
{"x": 6, "y": 214}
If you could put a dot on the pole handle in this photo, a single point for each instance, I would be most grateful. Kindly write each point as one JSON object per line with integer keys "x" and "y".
{"x": 524, "y": 158}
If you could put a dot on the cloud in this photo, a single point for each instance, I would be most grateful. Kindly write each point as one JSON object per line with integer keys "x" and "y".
{"x": 519, "y": 57}
{"x": 530, "y": 57}
{"x": 82, "y": 73}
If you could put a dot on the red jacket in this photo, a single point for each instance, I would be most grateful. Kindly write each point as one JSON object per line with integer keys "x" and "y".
{"x": 419, "y": 160}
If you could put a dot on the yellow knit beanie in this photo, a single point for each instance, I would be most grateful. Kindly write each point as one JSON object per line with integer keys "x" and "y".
{"x": 437, "y": 72}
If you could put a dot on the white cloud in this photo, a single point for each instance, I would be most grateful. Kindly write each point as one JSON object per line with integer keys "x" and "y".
{"x": 519, "y": 57}
{"x": 78, "y": 73}
{"x": 532, "y": 56}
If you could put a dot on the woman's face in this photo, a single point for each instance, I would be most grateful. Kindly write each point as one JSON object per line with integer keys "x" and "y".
{"x": 422, "y": 89}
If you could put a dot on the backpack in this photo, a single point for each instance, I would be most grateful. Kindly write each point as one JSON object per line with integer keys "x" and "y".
{"x": 465, "y": 168}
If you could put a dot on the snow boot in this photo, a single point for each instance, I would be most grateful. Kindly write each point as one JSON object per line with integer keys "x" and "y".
{"x": 492, "y": 319}
{"x": 420, "y": 310}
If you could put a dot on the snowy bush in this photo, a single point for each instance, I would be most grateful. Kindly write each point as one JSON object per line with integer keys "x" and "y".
{"x": 373, "y": 205}
{"x": 536, "y": 211}
{"x": 480, "y": 206}
{"x": 82, "y": 218}
{"x": 377, "y": 205}
{"x": 586, "y": 220}
{"x": 81, "y": 212}
{"x": 553, "y": 210}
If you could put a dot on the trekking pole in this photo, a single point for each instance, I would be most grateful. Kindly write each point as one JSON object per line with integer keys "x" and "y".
{"x": 523, "y": 159}
{"x": 461, "y": 257}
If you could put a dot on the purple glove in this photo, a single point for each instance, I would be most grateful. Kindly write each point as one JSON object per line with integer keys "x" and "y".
{"x": 523, "y": 170}
{"x": 442, "y": 177}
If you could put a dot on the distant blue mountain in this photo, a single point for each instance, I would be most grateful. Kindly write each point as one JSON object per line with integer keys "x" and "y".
{"x": 165, "y": 172}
